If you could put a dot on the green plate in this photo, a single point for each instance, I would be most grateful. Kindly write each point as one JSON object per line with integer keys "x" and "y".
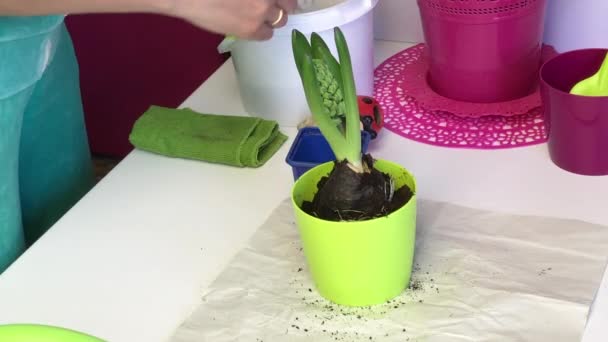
{"x": 42, "y": 333}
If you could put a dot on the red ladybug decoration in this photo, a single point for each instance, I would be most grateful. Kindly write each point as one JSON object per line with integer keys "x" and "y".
{"x": 372, "y": 116}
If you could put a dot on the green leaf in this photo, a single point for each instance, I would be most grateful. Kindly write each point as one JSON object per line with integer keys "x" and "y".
{"x": 300, "y": 48}
{"x": 353, "y": 123}
{"x": 328, "y": 128}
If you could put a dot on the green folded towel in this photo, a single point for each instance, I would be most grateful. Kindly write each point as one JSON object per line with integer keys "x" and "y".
{"x": 182, "y": 133}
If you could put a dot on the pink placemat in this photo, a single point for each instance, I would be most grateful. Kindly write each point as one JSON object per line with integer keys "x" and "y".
{"x": 410, "y": 67}
{"x": 405, "y": 116}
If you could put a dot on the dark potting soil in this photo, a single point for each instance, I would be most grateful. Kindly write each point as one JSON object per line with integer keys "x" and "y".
{"x": 345, "y": 195}
{"x": 319, "y": 318}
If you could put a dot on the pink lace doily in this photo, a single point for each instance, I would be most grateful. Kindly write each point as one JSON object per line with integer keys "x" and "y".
{"x": 403, "y": 116}
{"x": 408, "y": 69}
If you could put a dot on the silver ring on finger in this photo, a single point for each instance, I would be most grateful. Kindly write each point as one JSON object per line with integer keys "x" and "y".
{"x": 279, "y": 18}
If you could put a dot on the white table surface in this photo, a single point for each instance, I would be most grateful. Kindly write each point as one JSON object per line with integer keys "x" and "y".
{"x": 129, "y": 262}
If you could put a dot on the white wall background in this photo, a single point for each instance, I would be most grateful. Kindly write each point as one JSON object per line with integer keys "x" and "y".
{"x": 399, "y": 20}
{"x": 570, "y": 24}
{"x": 577, "y": 24}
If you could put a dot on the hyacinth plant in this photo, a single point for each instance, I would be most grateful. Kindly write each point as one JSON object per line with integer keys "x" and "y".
{"x": 354, "y": 190}
{"x": 331, "y": 95}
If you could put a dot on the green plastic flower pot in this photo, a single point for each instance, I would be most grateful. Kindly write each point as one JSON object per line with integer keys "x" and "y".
{"x": 358, "y": 263}
{"x": 42, "y": 333}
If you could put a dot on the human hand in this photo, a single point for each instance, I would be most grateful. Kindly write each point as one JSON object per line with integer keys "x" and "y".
{"x": 245, "y": 19}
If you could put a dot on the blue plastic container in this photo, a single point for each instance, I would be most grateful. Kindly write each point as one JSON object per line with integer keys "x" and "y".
{"x": 310, "y": 148}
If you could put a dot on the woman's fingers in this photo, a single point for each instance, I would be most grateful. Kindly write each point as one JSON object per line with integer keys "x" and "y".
{"x": 278, "y": 10}
{"x": 287, "y": 5}
{"x": 247, "y": 19}
{"x": 277, "y": 17}
{"x": 264, "y": 32}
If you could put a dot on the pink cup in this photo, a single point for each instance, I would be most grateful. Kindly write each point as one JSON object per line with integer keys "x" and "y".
{"x": 483, "y": 51}
{"x": 577, "y": 125}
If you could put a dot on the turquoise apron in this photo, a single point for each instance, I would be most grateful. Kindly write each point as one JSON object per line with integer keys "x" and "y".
{"x": 45, "y": 165}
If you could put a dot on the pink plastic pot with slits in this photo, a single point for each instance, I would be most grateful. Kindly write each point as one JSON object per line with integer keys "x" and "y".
{"x": 483, "y": 50}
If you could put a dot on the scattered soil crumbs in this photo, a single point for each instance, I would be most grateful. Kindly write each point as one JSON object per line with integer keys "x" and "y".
{"x": 351, "y": 324}
{"x": 544, "y": 271}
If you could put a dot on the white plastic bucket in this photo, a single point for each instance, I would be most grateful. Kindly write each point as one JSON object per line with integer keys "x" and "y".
{"x": 576, "y": 24}
{"x": 269, "y": 82}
